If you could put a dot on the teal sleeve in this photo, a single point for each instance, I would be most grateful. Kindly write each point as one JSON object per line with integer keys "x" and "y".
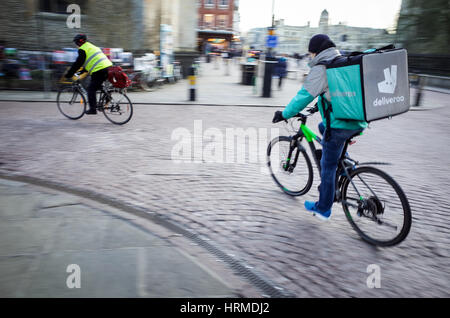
{"x": 298, "y": 103}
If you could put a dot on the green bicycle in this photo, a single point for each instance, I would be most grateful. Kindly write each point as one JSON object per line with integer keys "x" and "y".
{"x": 373, "y": 202}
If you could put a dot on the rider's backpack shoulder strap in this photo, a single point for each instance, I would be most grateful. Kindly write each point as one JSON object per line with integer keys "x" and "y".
{"x": 327, "y": 109}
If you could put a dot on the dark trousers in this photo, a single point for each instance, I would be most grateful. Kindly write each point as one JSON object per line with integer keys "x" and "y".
{"x": 331, "y": 153}
{"x": 280, "y": 82}
{"x": 97, "y": 79}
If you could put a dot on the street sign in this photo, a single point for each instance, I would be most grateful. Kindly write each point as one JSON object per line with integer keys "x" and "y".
{"x": 271, "y": 41}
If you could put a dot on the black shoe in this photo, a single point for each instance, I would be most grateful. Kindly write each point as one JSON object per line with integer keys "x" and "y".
{"x": 91, "y": 112}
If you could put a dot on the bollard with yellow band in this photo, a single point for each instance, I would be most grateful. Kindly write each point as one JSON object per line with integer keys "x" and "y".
{"x": 192, "y": 83}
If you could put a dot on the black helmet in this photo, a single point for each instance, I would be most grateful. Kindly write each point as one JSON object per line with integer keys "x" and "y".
{"x": 80, "y": 39}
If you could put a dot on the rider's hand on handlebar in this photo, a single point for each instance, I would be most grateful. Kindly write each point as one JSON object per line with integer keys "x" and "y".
{"x": 278, "y": 116}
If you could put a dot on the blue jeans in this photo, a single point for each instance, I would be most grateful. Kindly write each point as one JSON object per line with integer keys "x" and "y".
{"x": 331, "y": 152}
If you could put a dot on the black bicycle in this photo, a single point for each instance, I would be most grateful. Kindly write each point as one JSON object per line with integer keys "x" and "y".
{"x": 373, "y": 202}
{"x": 112, "y": 102}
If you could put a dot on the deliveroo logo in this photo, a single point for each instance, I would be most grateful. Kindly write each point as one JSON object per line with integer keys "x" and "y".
{"x": 390, "y": 80}
{"x": 388, "y": 87}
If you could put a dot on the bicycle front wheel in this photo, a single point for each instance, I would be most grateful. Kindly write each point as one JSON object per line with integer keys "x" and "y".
{"x": 291, "y": 170}
{"x": 71, "y": 102}
{"x": 376, "y": 207}
{"x": 118, "y": 108}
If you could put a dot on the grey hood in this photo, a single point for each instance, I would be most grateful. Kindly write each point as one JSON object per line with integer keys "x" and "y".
{"x": 316, "y": 82}
{"x": 325, "y": 55}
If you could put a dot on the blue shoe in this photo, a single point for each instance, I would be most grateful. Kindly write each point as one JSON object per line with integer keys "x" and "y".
{"x": 311, "y": 207}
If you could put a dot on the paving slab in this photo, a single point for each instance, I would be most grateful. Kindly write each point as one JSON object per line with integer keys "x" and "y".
{"x": 47, "y": 236}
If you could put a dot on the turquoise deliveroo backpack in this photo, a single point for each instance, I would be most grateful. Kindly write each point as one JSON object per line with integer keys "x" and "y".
{"x": 368, "y": 86}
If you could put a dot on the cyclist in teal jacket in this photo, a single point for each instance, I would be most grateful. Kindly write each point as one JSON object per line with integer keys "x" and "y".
{"x": 322, "y": 49}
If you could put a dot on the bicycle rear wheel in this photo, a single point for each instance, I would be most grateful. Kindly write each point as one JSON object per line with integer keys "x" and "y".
{"x": 294, "y": 175}
{"x": 71, "y": 102}
{"x": 376, "y": 207}
{"x": 118, "y": 108}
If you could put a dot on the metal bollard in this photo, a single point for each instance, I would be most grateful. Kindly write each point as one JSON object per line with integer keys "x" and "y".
{"x": 268, "y": 72}
{"x": 192, "y": 83}
{"x": 227, "y": 66}
{"x": 421, "y": 83}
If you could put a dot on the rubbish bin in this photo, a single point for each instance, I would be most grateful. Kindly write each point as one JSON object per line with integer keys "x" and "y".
{"x": 248, "y": 72}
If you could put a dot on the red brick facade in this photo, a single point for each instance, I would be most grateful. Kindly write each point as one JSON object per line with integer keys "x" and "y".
{"x": 215, "y": 14}
{"x": 215, "y": 22}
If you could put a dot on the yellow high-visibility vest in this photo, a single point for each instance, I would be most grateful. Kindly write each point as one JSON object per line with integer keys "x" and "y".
{"x": 96, "y": 60}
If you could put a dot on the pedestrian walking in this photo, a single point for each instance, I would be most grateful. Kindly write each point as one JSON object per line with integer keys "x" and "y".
{"x": 281, "y": 70}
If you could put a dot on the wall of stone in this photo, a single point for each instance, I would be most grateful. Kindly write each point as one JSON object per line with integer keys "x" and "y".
{"x": 296, "y": 38}
{"x": 130, "y": 24}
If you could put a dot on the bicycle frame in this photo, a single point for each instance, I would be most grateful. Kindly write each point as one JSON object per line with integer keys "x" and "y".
{"x": 311, "y": 137}
{"x": 104, "y": 93}
{"x": 305, "y": 132}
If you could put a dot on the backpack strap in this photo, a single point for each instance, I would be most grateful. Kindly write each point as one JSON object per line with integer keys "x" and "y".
{"x": 328, "y": 62}
{"x": 384, "y": 48}
{"x": 387, "y": 47}
{"x": 327, "y": 109}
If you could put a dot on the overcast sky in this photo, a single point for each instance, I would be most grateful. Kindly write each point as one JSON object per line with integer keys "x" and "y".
{"x": 362, "y": 13}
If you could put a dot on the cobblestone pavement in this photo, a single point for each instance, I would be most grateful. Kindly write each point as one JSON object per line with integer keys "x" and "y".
{"x": 237, "y": 207}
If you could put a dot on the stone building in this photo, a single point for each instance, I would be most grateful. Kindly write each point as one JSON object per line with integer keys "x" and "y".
{"x": 295, "y": 39}
{"x": 133, "y": 25}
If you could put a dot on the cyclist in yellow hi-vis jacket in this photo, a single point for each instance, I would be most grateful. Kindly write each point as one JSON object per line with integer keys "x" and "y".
{"x": 92, "y": 59}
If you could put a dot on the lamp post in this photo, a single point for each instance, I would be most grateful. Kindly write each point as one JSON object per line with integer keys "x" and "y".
{"x": 273, "y": 13}
{"x": 43, "y": 42}
{"x": 269, "y": 61}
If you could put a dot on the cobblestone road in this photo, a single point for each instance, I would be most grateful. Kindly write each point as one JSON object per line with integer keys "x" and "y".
{"x": 239, "y": 208}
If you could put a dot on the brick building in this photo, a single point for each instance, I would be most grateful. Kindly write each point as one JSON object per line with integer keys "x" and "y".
{"x": 216, "y": 22}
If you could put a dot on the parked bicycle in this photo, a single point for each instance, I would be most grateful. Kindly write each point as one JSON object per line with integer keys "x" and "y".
{"x": 373, "y": 202}
{"x": 113, "y": 102}
{"x": 177, "y": 71}
{"x": 138, "y": 80}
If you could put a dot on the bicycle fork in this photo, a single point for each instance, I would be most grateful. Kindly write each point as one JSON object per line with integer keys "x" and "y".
{"x": 287, "y": 165}
{"x": 74, "y": 97}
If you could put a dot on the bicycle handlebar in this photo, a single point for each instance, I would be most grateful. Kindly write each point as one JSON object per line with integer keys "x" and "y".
{"x": 311, "y": 110}
{"x": 78, "y": 76}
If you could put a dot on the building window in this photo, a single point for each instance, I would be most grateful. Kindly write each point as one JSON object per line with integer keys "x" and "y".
{"x": 210, "y": 3}
{"x": 59, "y": 6}
{"x": 208, "y": 21}
{"x": 223, "y": 4}
{"x": 222, "y": 21}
